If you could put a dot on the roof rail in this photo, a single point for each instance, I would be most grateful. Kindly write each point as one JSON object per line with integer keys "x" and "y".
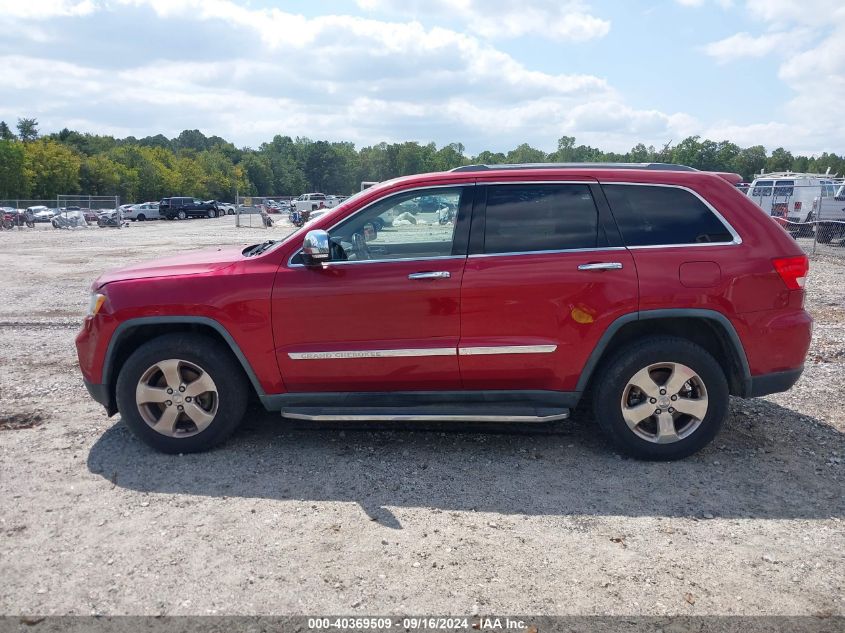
{"x": 648, "y": 166}
{"x": 794, "y": 174}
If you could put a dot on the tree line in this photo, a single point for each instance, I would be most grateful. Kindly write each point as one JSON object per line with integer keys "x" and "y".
{"x": 33, "y": 166}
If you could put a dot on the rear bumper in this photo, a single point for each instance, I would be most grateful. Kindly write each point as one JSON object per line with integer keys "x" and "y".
{"x": 101, "y": 394}
{"x": 775, "y": 382}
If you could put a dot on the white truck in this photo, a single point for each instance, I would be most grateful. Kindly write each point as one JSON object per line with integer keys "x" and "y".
{"x": 789, "y": 196}
{"x": 829, "y": 215}
{"x": 314, "y": 201}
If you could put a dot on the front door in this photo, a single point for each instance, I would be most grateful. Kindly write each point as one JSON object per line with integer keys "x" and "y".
{"x": 384, "y": 313}
{"x": 545, "y": 277}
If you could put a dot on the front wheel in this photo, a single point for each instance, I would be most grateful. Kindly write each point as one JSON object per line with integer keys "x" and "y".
{"x": 182, "y": 393}
{"x": 662, "y": 398}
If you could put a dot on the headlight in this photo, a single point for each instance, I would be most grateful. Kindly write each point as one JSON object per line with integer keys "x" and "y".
{"x": 95, "y": 302}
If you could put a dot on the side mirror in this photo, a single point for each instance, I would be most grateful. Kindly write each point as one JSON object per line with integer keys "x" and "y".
{"x": 316, "y": 246}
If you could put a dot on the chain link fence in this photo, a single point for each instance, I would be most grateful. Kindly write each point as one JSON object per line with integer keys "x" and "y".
{"x": 65, "y": 211}
{"x": 813, "y": 214}
{"x": 257, "y": 211}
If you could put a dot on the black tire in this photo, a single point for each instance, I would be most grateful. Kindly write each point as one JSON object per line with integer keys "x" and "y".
{"x": 614, "y": 375}
{"x": 204, "y": 352}
{"x": 141, "y": 217}
{"x": 181, "y": 215}
{"x": 212, "y": 213}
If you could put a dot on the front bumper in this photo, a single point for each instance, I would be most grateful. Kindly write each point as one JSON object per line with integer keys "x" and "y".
{"x": 103, "y": 395}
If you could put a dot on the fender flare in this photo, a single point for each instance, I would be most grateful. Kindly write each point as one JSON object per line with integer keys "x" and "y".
{"x": 127, "y": 326}
{"x": 669, "y": 313}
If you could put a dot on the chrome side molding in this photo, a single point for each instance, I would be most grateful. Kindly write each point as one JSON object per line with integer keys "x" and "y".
{"x": 434, "y": 351}
{"x": 507, "y": 349}
{"x": 371, "y": 353}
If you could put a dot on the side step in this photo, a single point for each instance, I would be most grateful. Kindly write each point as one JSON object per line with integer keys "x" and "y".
{"x": 506, "y": 412}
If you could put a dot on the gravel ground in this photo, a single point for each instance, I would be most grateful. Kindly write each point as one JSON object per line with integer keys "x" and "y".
{"x": 288, "y": 519}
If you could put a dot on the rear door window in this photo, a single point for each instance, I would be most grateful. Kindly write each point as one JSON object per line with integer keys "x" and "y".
{"x": 784, "y": 187}
{"x": 649, "y": 215}
{"x": 531, "y": 218}
{"x": 762, "y": 188}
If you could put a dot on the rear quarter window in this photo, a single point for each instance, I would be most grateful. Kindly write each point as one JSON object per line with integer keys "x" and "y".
{"x": 655, "y": 216}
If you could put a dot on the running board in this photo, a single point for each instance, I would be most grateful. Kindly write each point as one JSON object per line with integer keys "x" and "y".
{"x": 431, "y": 413}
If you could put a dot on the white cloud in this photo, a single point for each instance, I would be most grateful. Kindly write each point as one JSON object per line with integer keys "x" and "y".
{"x": 331, "y": 76}
{"x": 806, "y": 39}
{"x": 262, "y": 72}
{"x": 725, "y": 4}
{"x": 45, "y": 9}
{"x": 569, "y": 20}
{"x": 743, "y": 44}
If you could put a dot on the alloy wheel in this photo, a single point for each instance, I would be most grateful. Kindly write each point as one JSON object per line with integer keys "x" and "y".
{"x": 177, "y": 398}
{"x": 664, "y": 402}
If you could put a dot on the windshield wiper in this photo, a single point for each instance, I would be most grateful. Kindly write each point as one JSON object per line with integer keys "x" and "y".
{"x": 259, "y": 248}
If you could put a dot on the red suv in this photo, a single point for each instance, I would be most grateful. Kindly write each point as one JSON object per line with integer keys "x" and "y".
{"x": 488, "y": 293}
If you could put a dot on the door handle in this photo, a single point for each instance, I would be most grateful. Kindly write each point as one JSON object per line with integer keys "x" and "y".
{"x": 601, "y": 266}
{"x": 440, "y": 274}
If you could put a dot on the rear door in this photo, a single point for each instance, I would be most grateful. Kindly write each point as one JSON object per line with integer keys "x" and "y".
{"x": 545, "y": 277}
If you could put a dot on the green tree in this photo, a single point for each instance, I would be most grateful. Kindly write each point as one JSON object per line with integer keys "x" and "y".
{"x": 5, "y": 133}
{"x": 12, "y": 180}
{"x": 780, "y": 160}
{"x": 50, "y": 169}
{"x": 27, "y": 129}
{"x": 526, "y": 154}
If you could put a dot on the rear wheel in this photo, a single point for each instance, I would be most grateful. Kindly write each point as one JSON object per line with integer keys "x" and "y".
{"x": 212, "y": 213}
{"x": 141, "y": 217}
{"x": 182, "y": 393}
{"x": 662, "y": 398}
{"x": 181, "y": 215}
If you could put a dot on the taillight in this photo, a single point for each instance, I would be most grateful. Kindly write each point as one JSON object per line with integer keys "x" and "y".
{"x": 793, "y": 270}
{"x": 797, "y": 206}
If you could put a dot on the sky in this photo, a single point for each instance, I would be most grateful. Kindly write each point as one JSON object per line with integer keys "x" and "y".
{"x": 490, "y": 74}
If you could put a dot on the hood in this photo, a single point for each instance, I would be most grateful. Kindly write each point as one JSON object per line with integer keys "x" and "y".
{"x": 194, "y": 263}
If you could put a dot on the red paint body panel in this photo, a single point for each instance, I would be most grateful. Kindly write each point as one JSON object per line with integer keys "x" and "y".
{"x": 368, "y": 306}
{"x": 535, "y": 300}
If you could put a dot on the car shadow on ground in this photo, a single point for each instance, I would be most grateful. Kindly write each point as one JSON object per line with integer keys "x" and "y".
{"x": 768, "y": 462}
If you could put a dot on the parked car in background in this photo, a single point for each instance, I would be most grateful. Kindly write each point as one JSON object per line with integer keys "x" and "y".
{"x": 40, "y": 213}
{"x": 657, "y": 291}
{"x": 181, "y": 207}
{"x": 226, "y": 208}
{"x": 142, "y": 212}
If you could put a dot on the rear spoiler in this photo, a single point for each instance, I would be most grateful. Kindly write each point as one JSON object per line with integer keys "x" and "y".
{"x": 734, "y": 179}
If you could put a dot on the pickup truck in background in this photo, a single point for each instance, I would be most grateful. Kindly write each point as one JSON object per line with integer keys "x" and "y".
{"x": 314, "y": 201}
{"x": 829, "y": 213}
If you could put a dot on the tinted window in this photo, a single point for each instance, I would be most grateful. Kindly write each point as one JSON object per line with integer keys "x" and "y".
{"x": 523, "y": 218}
{"x": 649, "y": 216}
{"x": 762, "y": 188}
{"x": 784, "y": 187}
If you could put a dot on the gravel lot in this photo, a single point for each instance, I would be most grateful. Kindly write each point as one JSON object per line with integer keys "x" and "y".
{"x": 289, "y": 519}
